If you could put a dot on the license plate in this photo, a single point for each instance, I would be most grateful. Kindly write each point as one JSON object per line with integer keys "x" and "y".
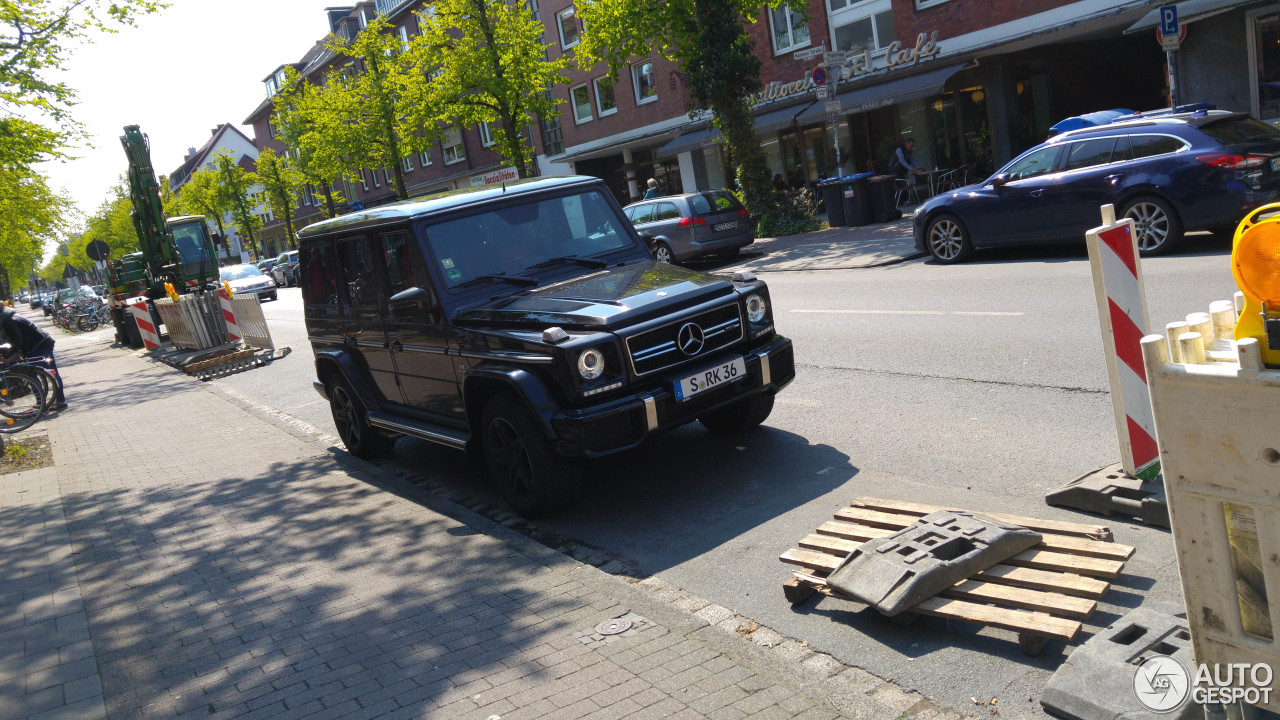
{"x": 726, "y": 372}
{"x": 1275, "y": 164}
{"x": 734, "y": 224}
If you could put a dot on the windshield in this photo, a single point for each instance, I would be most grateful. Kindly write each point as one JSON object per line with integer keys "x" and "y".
{"x": 236, "y": 272}
{"x": 512, "y": 240}
{"x": 190, "y": 242}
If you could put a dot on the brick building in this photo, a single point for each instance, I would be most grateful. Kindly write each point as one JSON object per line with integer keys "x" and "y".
{"x": 974, "y": 82}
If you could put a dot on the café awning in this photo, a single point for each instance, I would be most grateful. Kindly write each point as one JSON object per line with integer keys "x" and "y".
{"x": 884, "y": 94}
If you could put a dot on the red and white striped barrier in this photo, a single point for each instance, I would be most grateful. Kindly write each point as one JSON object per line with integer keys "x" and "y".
{"x": 146, "y": 325}
{"x": 229, "y": 315}
{"x": 1122, "y": 310}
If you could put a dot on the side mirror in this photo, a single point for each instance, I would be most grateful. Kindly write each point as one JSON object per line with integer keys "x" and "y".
{"x": 414, "y": 298}
{"x": 1001, "y": 180}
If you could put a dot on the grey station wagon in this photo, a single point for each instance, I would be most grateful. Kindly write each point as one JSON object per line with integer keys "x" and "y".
{"x": 686, "y": 227}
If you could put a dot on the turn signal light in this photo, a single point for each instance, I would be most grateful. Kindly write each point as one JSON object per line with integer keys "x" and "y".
{"x": 1255, "y": 263}
{"x": 689, "y": 222}
{"x": 1233, "y": 161}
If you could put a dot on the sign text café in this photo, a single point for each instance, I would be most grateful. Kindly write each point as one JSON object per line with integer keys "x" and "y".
{"x": 895, "y": 57}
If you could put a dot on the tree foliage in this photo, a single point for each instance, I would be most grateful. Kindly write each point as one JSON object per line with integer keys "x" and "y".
{"x": 708, "y": 40}
{"x": 485, "y": 61}
{"x": 200, "y": 196}
{"x": 323, "y": 145}
{"x": 280, "y": 184}
{"x": 30, "y": 215}
{"x": 111, "y": 223}
{"x": 233, "y": 185}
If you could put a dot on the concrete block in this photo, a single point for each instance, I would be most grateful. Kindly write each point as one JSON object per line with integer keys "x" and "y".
{"x": 1108, "y": 491}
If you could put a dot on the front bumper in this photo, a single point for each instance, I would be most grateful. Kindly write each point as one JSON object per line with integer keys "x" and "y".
{"x": 624, "y": 423}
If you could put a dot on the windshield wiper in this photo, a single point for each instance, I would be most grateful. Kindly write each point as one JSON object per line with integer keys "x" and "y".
{"x": 585, "y": 262}
{"x": 523, "y": 280}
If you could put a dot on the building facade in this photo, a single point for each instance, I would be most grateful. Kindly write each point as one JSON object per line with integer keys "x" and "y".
{"x": 233, "y": 247}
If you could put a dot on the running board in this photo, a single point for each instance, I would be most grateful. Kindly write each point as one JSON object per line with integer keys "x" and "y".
{"x": 414, "y": 428}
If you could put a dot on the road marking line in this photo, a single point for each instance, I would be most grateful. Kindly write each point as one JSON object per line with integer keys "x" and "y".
{"x": 912, "y": 312}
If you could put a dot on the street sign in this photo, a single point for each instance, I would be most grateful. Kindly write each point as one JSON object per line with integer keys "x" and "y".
{"x": 810, "y": 53}
{"x": 822, "y": 92}
{"x": 97, "y": 250}
{"x": 1169, "y": 19}
{"x": 357, "y": 206}
{"x": 832, "y": 106}
{"x": 819, "y": 76}
{"x": 833, "y": 58}
{"x": 1171, "y": 41}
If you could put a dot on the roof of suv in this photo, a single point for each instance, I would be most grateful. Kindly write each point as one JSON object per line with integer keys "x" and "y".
{"x": 442, "y": 203}
{"x": 1171, "y": 120}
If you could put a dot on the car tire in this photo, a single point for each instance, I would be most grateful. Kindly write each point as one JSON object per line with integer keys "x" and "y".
{"x": 527, "y": 470}
{"x": 1156, "y": 224}
{"x": 361, "y": 439}
{"x": 742, "y": 416}
{"x": 662, "y": 253}
{"x": 947, "y": 240}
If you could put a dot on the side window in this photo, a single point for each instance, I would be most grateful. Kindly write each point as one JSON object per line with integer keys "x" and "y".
{"x": 1033, "y": 164}
{"x": 395, "y": 252}
{"x": 1088, "y": 153}
{"x": 1148, "y": 145}
{"x": 644, "y": 214}
{"x": 666, "y": 211}
{"x": 630, "y": 213}
{"x": 1122, "y": 151}
{"x": 359, "y": 275}
{"x": 317, "y": 272}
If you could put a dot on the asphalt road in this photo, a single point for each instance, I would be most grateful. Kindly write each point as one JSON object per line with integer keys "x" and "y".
{"x": 981, "y": 386}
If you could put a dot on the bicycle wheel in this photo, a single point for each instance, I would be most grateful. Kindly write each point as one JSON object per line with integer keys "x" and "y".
{"x": 21, "y": 402}
{"x": 87, "y": 323}
{"x": 43, "y": 375}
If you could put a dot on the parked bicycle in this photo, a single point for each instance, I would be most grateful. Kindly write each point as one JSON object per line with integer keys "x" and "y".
{"x": 22, "y": 398}
{"x": 82, "y": 314}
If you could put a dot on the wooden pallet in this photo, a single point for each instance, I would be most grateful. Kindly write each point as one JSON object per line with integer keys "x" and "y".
{"x": 1041, "y": 594}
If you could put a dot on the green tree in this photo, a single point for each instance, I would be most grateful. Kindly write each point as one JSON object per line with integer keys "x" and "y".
{"x": 168, "y": 199}
{"x": 233, "y": 183}
{"x": 708, "y": 40}
{"x": 486, "y": 61}
{"x": 280, "y": 184}
{"x": 200, "y": 196}
{"x": 111, "y": 223}
{"x": 321, "y": 141}
{"x": 32, "y": 214}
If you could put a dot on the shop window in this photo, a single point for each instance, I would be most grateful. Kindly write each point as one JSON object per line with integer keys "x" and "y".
{"x": 643, "y": 81}
{"x": 581, "y": 103}
{"x": 790, "y": 30}
{"x": 1033, "y": 164}
{"x": 1088, "y": 153}
{"x": 567, "y": 22}
{"x": 872, "y": 32}
{"x": 453, "y": 151}
{"x": 1147, "y": 145}
{"x": 606, "y": 104}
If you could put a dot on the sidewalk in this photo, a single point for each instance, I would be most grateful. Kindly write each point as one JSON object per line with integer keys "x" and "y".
{"x": 833, "y": 249}
{"x": 233, "y": 566}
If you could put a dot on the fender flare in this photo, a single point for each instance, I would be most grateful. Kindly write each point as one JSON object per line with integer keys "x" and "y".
{"x": 350, "y": 367}
{"x": 518, "y": 380}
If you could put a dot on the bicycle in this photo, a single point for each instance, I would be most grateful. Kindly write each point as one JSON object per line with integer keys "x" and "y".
{"x": 38, "y": 368}
{"x": 22, "y": 400}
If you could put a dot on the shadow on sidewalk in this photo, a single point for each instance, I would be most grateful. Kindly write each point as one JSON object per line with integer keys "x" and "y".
{"x": 303, "y": 586}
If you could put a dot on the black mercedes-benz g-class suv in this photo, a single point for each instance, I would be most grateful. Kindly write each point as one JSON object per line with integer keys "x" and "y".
{"x": 528, "y": 323}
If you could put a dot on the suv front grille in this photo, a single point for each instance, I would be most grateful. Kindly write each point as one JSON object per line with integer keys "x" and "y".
{"x": 659, "y": 349}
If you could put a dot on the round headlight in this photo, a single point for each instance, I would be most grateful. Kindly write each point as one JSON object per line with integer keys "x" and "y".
{"x": 590, "y": 364}
{"x": 756, "y": 308}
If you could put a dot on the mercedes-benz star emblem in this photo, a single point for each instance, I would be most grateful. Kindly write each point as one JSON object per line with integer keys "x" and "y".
{"x": 690, "y": 339}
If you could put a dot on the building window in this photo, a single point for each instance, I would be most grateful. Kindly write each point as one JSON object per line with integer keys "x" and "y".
{"x": 271, "y": 128}
{"x": 486, "y": 134}
{"x": 307, "y": 197}
{"x": 386, "y": 174}
{"x": 790, "y": 30}
{"x": 642, "y": 80}
{"x": 570, "y": 33}
{"x": 376, "y": 182}
{"x": 552, "y": 135}
{"x": 271, "y": 86}
{"x": 533, "y": 10}
{"x": 870, "y": 32}
{"x": 404, "y": 37}
{"x": 364, "y": 182}
{"x": 581, "y": 104}
{"x": 407, "y": 163}
{"x": 425, "y": 157}
{"x": 453, "y": 151}
{"x": 606, "y": 103}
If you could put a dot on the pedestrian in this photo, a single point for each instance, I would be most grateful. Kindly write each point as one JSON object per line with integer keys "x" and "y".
{"x": 31, "y": 342}
{"x": 653, "y": 191}
{"x": 902, "y": 164}
{"x": 779, "y": 185}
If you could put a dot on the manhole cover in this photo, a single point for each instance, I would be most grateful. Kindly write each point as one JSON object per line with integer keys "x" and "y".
{"x": 617, "y": 626}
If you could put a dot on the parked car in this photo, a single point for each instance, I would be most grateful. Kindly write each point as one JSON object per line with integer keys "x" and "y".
{"x": 69, "y": 295}
{"x": 33, "y": 301}
{"x": 685, "y": 227}
{"x": 46, "y": 303}
{"x": 529, "y": 324}
{"x": 266, "y": 265}
{"x": 285, "y": 268}
{"x": 1171, "y": 173}
{"x": 248, "y": 280}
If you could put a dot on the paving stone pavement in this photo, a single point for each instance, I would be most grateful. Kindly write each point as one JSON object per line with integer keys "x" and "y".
{"x": 215, "y": 564}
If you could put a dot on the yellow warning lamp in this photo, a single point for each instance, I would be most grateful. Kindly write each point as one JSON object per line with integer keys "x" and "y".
{"x": 231, "y": 294}
{"x": 171, "y": 292}
{"x": 1255, "y": 263}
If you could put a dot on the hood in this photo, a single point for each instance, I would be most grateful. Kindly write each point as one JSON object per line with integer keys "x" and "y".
{"x": 602, "y": 299}
{"x": 249, "y": 282}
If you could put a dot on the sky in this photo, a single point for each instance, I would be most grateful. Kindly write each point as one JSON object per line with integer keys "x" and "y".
{"x": 178, "y": 75}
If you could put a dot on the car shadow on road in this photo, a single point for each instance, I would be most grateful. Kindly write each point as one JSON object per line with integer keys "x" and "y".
{"x": 1200, "y": 244}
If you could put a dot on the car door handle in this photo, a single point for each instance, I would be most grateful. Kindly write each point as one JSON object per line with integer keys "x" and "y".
{"x": 1037, "y": 192}
{"x": 1113, "y": 179}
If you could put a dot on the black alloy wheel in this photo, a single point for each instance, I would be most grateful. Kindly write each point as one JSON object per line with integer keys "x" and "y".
{"x": 526, "y": 468}
{"x": 361, "y": 439}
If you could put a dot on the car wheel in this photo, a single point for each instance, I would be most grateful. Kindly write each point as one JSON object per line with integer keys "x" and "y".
{"x": 1155, "y": 223}
{"x": 361, "y": 439}
{"x": 948, "y": 240}
{"x": 528, "y": 471}
{"x": 662, "y": 252}
{"x": 741, "y": 416}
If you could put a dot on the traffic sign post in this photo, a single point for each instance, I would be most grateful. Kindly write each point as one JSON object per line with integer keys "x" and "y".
{"x": 1170, "y": 33}
{"x": 819, "y": 76}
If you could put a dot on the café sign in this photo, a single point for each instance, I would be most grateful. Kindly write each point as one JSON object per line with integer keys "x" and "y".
{"x": 501, "y": 175}
{"x": 894, "y": 57}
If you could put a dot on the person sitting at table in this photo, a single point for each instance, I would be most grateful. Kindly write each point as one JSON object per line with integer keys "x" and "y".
{"x": 902, "y": 164}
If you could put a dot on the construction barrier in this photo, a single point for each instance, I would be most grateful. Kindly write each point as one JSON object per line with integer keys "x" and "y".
{"x": 1220, "y": 452}
{"x": 145, "y": 323}
{"x": 250, "y": 322}
{"x": 229, "y": 316}
{"x": 194, "y": 322}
